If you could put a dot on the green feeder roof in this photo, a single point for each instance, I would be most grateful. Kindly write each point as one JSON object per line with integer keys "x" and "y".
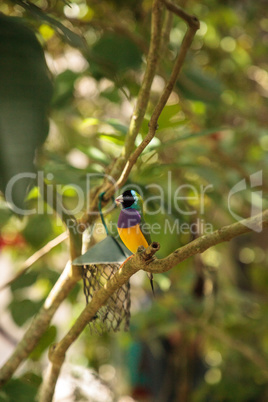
{"x": 107, "y": 251}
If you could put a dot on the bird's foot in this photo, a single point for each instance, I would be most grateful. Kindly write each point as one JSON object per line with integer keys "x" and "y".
{"x": 125, "y": 261}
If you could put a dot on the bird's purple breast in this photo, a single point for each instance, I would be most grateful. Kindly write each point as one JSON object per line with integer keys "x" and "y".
{"x": 128, "y": 218}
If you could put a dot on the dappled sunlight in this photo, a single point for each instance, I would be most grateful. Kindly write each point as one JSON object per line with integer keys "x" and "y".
{"x": 105, "y": 118}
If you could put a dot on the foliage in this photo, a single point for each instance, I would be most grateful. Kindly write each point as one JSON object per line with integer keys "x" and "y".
{"x": 25, "y": 94}
{"x": 211, "y": 135}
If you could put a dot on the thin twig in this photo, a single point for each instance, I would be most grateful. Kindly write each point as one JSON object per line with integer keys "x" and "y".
{"x": 117, "y": 26}
{"x": 125, "y": 163}
{"x": 166, "y": 32}
{"x": 138, "y": 113}
{"x": 35, "y": 257}
{"x": 191, "y": 20}
{"x": 186, "y": 43}
{"x": 60, "y": 291}
{"x": 54, "y": 199}
{"x": 201, "y": 244}
{"x": 144, "y": 94}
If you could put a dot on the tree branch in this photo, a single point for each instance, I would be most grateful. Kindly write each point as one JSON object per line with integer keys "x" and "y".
{"x": 110, "y": 24}
{"x": 144, "y": 93}
{"x": 68, "y": 280}
{"x": 54, "y": 199}
{"x": 203, "y": 243}
{"x": 193, "y": 26}
{"x": 40, "y": 323}
{"x": 166, "y": 32}
{"x": 60, "y": 291}
{"x": 35, "y": 257}
{"x": 100, "y": 297}
{"x": 191, "y": 20}
{"x": 57, "y": 355}
{"x": 138, "y": 114}
{"x": 142, "y": 260}
{"x": 125, "y": 163}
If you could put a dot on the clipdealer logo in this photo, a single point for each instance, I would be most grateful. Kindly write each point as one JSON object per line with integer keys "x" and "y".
{"x": 255, "y": 180}
{"x": 163, "y": 200}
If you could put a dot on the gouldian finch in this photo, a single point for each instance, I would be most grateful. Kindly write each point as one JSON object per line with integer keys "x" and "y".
{"x": 130, "y": 223}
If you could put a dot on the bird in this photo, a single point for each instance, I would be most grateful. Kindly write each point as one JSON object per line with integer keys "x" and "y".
{"x": 130, "y": 225}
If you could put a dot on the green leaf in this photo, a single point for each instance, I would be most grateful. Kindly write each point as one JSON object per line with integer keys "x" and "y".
{"x": 18, "y": 390}
{"x": 117, "y": 125}
{"x": 114, "y": 138}
{"x": 113, "y": 54}
{"x": 24, "y": 281}
{"x": 65, "y": 174}
{"x": 64, "y": 88}
{"x": 46, "y": 340}
{"x": 112, "y": 95}
{"x": 5, "y": 214}
{"x": 186, "y": 136}
{"x": 145, "y": 125}
{"x": 38, "y": 230}
{"x": 196, "y": 85}
{"x": 202, "y": 133}
{"x": 95, "y": 154}
{"x": 69, "y": 36}
{"x": 117, "y": 138}
{"x": 22, "y": 310}
{"x": 212, "y": 176}
{"x": 25, "y": 93}
{"x": 170, "y": 117}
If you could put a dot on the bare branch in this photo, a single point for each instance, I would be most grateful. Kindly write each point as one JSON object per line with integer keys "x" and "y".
{"x": 35, "y": 257}
{"x": 60, "y": 291}
{"x": 122, "y": 168}
{"x": 55, "y": 201}
{"x": 144, "y": 93}
{"x": 40, "y": 323}
{"x": 191, "y": 20}
{"x": 203, "y": 243}
{"x": 166, "y": 32}
{"x": 139, "y": 112}
{"x": 186, "y": 43}
{"x": 110, "y": 24}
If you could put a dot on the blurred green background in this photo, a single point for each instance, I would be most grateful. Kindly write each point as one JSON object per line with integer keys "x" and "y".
{"x": 204, "y": 337}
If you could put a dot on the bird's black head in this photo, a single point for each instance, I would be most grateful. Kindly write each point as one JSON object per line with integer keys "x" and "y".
{"x": 128, "y": 199}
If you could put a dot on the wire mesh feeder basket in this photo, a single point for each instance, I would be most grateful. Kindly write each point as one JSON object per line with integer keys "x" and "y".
{"x": 100, "y": 263}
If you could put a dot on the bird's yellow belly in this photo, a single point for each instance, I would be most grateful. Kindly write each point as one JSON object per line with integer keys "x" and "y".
{"x": 132, "y": 237}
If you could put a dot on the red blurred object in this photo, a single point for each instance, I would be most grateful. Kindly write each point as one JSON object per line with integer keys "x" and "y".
{"x": 217, "y": 136}
{"x": 11, "y": 240}
{"x": 141, "y": 393}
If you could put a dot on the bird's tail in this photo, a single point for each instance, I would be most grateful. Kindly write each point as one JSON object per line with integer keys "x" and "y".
{"x": 151, "y": 278}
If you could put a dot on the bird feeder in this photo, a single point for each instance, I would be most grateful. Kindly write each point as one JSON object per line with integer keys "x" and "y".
{"x": 100, "y": 263}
